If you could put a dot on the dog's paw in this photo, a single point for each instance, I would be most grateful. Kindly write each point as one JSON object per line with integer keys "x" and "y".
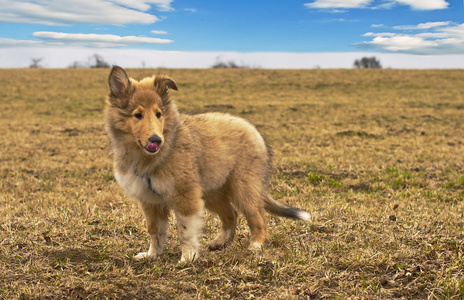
{"x": 188, "y": 257}
{"x": 255, "y": 246}
{"x": 218, "y": 244}
{"x": 144, "y": 255}
{"x": 214, "y": 246}
{"x": 222, "y": 240}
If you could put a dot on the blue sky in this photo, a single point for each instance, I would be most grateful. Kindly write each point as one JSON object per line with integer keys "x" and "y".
{"x": 433, "y": 28}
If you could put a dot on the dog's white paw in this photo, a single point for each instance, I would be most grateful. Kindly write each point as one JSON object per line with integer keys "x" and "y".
{"x": 255, "y": 246}
{"x": 144, "y": 255}
{"x": 188, "y": 257}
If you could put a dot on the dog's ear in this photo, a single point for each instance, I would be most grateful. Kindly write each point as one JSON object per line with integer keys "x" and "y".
{"x": 120, "y": 87}
{"x": 163, "y": 83}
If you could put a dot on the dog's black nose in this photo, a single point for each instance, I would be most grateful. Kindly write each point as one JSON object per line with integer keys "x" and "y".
{"x": 155, "y": 139}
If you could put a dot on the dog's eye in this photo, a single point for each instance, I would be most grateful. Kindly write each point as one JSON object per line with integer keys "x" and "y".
{"x": 158, "y": 114}
{"x": 138, "y": 116}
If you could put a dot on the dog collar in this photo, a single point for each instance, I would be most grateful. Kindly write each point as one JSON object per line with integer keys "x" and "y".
{"x": 150, "y": 186}
{"x": 148, "y": 182}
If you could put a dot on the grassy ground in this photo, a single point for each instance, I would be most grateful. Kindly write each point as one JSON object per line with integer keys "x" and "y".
{"x": 375, "y": 156}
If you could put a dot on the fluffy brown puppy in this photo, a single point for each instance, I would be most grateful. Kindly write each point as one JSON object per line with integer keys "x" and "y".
{"x": 171, "y": 161}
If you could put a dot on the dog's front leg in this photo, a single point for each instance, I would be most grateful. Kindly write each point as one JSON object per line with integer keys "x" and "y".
{"x": 189, "y": 228}
{"x": 157, "y": 222}
{"x": 189, "y": 210}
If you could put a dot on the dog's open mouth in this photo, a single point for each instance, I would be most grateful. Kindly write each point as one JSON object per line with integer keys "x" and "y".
{"x": 152, "y": 147}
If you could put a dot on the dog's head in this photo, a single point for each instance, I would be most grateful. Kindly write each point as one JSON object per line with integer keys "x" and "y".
{"x": 137, "y": 110}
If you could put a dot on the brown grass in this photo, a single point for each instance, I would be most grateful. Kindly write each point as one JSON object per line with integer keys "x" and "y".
{"x": 375, "y": 156}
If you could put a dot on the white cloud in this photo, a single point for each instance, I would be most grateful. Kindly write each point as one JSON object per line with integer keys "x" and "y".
{"x": 95, "y": 40}
{"x": 431, "y": 38}
{"x": 326, "y": 4}
{"x": 63, "y": 12}
{"x": 159, "y": 32}
{"x": 192, "y": 10}
{"x": 377, "y": 25}
{"x": 381, "y": 34}
{"x": 389, "y": 4}
{"x": 424, "y": 4}
{"x": 18, "y": 43}
{"x": 335, "y": 5}
{"x": 144, "y": 5}
{"x": 401, "y": 43}
{"x": 420, "y": 26}
{"x": 454, "y": 32}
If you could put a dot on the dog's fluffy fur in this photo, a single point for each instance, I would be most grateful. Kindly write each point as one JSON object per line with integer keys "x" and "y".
{"x": 171, "y": 161}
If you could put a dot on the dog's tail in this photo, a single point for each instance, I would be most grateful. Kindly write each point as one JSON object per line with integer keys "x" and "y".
{"x": 276, "y": 208}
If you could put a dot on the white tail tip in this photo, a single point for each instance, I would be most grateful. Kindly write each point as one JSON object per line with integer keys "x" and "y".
{"x": 304, "y": 216}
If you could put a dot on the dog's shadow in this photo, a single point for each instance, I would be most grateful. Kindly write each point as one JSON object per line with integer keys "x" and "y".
{"x": 90, "y": 259}
{"x": 76, "y": 256}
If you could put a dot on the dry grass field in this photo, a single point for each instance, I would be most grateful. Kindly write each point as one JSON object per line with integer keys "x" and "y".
{"x": 375, "y": 156}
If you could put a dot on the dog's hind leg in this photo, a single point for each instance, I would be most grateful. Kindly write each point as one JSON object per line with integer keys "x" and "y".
{"x": 157, "y": 221}
{"x": 220, "y": 205}
{"x": 248, "y": 198}
{"x": 257, "y": 221}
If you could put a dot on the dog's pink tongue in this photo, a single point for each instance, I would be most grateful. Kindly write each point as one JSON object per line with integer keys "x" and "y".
{"x": 152, "y": 147}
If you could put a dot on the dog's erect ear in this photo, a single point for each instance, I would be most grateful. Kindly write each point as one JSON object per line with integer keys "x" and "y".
{"x": 163, "y": 83}
{"x": 120, "y": 86}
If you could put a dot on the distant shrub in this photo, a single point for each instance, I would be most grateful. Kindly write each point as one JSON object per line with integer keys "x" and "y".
{"x": 367, "y": 63}
{"x": 94, "y": 61}
{"x": 227, "y": 65}
{"x": 35, "y": 64}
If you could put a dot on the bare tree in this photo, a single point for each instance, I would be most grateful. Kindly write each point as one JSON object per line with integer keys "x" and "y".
{"x": 35, "y": 64}
{"x": 367, "y": 63}
{"x": 98, "y": 62}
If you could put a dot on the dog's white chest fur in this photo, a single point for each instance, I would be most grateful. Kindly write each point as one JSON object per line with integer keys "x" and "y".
{"x": 145, "y": 189}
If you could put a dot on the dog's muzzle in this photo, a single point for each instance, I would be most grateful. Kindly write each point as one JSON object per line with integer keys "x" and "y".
{"x": 154, "y": 143}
